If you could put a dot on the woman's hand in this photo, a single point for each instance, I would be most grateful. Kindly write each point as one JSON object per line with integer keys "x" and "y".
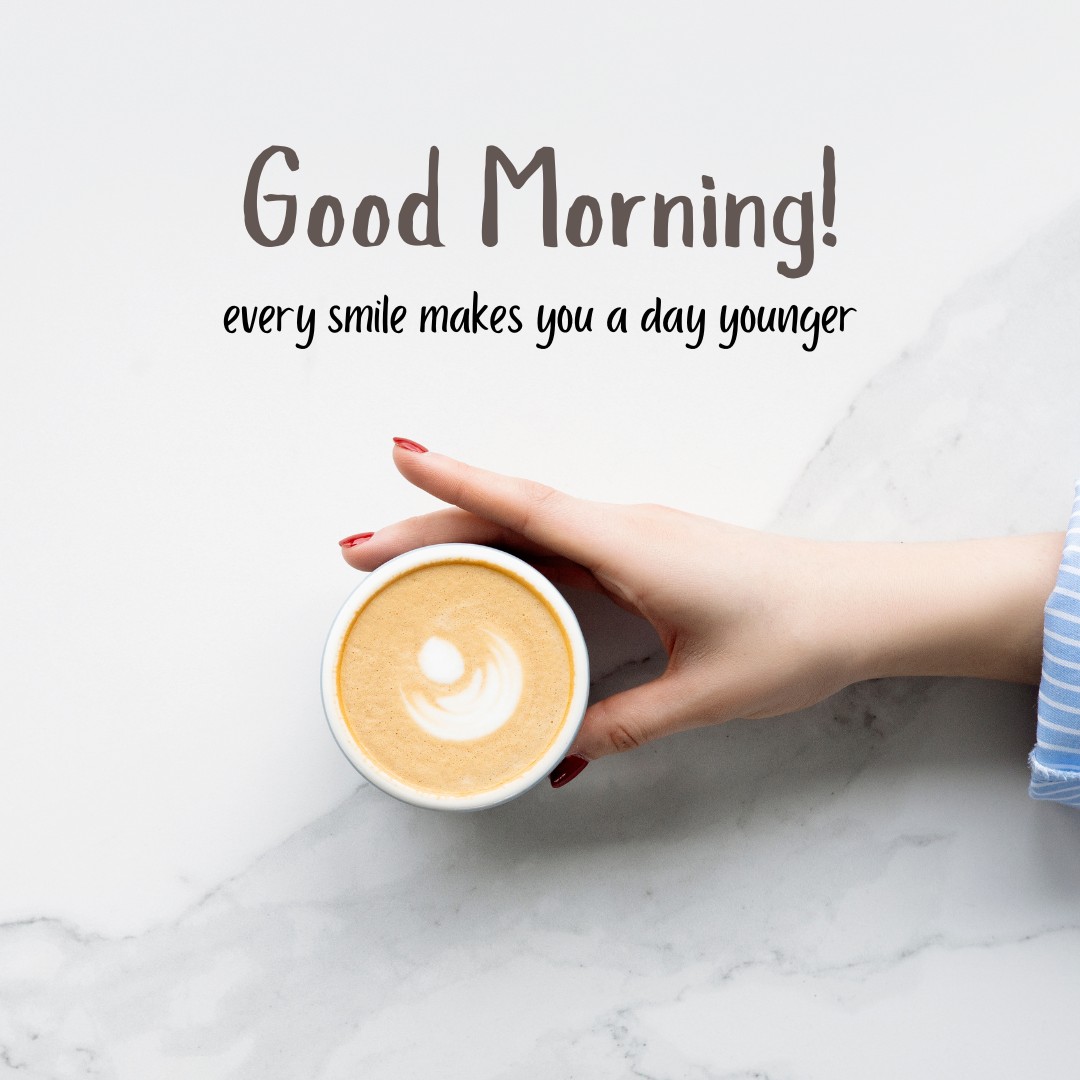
{"x": 755, "y": 624}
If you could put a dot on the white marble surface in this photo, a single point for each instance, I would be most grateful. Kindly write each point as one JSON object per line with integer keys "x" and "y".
{"x": 194, "y": 885}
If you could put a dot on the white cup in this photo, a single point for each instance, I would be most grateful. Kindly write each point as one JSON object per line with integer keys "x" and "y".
{"x": 411, "y": 560}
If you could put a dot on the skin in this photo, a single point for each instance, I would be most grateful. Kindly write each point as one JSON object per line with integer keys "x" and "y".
{"x": 755, "y": 624}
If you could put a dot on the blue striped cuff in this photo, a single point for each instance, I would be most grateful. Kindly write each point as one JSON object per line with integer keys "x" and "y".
{"x": 1055, "y": 760}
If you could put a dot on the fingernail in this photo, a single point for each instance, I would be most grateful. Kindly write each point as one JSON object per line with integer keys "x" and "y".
{"x": 567, "y": 769}
{"x": 352, "y": 541}
{"x": 408, "y": 444}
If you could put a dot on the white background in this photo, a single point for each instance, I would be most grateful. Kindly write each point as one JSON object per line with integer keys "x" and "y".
{"x": 172, "y": 496}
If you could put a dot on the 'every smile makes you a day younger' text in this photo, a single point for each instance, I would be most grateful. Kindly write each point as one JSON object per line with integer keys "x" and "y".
{"x": 687, "y": 322}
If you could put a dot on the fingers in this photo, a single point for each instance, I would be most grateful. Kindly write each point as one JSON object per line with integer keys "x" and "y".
{"x": 455, "y": 526}
{"x": 627, "y": 720}
{"x": 579, "y": 530}
{"x": 441, "y": 527}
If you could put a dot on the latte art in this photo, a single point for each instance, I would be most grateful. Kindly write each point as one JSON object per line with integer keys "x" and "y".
{"x": 482, "y": 706}
{"x": 455, "y": 677}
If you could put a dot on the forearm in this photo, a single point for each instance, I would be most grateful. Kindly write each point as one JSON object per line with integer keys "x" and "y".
{"x": 967, "y": 607}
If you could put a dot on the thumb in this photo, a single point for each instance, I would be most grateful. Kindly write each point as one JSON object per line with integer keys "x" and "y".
{"x": 627, "y": 720}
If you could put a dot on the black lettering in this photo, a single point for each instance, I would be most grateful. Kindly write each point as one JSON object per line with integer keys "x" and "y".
{"x": 305, "y": 325}
{"x": 729, "y": 327}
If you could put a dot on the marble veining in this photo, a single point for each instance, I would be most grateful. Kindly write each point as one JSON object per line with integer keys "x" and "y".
{"x": 759, "y": 900}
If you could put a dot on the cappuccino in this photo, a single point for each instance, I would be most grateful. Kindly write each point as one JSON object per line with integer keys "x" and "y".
{"x": 458, "y": 681}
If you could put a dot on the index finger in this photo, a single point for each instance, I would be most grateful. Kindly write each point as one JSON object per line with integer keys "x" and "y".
{"x": 575, "y": 528}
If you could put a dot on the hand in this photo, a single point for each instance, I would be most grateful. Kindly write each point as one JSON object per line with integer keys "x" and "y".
{"x": 754, "y": 624}
{"x": 739, "y": 612}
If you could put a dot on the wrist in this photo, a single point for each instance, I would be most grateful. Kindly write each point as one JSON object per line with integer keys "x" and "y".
{"x": 961, "y": 608}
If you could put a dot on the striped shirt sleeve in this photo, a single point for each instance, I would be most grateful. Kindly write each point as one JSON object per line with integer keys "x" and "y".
{"x": 1055, "y": 760}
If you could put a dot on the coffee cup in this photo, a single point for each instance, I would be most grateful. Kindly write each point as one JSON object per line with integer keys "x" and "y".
{"x": 455, "y": 677}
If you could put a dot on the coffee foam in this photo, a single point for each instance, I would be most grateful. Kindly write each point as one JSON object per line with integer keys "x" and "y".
{"x": 479, "y": 708}
{"x": 455, "y": 677}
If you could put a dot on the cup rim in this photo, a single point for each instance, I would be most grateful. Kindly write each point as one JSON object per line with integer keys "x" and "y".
{"x": 412, "y": 560}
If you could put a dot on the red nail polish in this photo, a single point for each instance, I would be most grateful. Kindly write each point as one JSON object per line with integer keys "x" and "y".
{"x": 567, "y": 769}
{"x": 408, "y": 444}
{"x": 352, "y": 541}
